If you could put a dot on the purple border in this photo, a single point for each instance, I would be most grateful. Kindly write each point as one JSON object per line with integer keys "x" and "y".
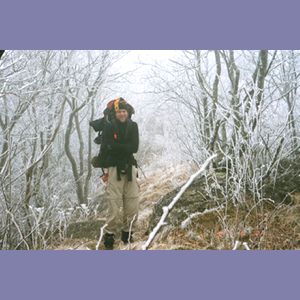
{"x": 137, "y": 24}
{"x": 156, "y": 24}
{"x": 149, "y": 275}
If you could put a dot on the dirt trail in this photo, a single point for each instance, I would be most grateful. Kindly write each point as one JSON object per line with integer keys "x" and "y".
{"x": 153, "y": 188}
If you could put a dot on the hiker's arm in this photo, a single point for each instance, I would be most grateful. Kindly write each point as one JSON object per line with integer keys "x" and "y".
{"x": 132, "y": 146}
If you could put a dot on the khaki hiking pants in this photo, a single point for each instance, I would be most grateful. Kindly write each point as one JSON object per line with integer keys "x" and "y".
{"x": 123, "y": 201}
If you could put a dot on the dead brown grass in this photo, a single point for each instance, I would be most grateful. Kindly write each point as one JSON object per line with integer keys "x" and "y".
{"x": 265, "y": 226}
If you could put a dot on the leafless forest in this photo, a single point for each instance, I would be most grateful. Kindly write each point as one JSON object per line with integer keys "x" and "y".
{"x": 241, "y": 107}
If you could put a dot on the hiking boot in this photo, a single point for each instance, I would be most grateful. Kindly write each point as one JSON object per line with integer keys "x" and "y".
{"x": 125, "y": 237}
{"x": 109, "y": 239}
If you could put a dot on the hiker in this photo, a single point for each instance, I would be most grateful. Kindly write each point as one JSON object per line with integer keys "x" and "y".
{"x": 120, "y": 139}
{"x": 98, "y": 125}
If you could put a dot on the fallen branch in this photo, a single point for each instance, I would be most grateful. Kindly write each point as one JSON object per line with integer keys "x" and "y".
{"x": 167, "y": 209}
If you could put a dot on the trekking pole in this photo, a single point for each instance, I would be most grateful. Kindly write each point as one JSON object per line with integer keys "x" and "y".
{"x": 142, "y": 171}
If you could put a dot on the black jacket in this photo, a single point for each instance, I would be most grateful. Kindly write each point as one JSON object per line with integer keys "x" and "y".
{"x": 120, "y": 141}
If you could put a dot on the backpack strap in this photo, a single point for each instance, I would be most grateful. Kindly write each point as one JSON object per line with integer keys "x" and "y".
{"x": 128, "y": 128}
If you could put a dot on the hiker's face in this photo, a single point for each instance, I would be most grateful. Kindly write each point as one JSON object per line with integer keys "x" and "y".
{"x": 122, "y": 115}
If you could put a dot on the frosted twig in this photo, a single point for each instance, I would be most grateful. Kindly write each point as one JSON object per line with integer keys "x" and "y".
{"x": 18, "y": 228}
{"x": 246, "y": 246}
{"x": 237, "y": 244}
{"x": 188, "y": 220}
{"x": 130, "y": 229}
{"x": 101, "y": 236}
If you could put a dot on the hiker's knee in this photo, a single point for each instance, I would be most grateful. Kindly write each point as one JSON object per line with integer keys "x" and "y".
{"x": 131, "y": 205}
{"x": 132, "y": 189}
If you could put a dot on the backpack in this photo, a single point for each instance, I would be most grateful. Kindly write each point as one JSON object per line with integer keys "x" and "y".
{"x": 99, "y": 125}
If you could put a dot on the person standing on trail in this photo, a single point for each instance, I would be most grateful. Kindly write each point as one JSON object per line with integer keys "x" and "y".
{"x": 120, "y": 141}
